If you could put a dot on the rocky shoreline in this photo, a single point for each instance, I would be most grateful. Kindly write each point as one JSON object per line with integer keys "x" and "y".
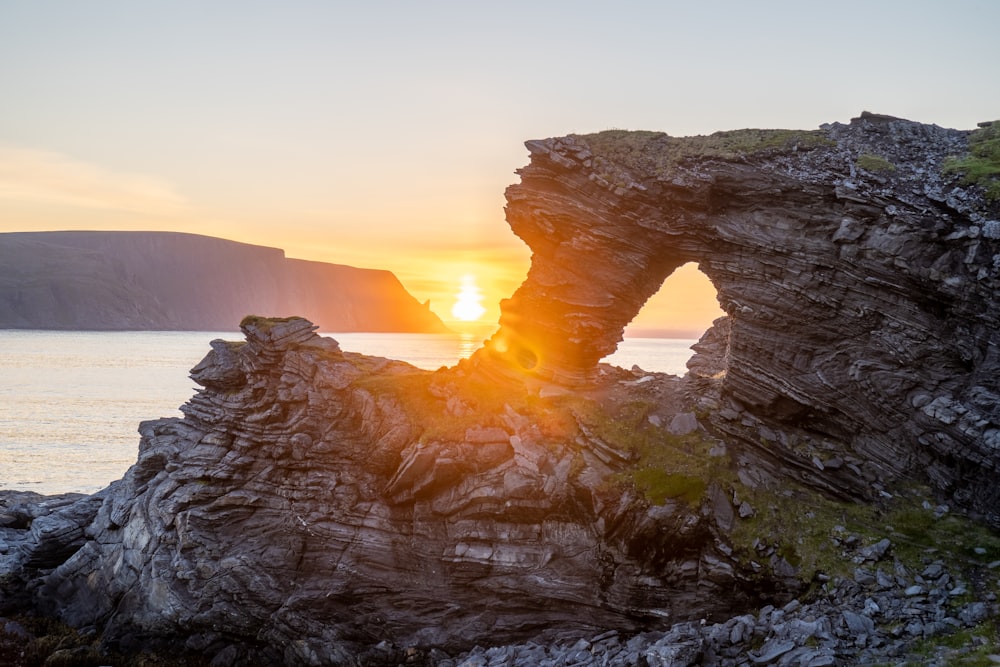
{"x": 882, "y": 612}
{"x": 819, "y": 489}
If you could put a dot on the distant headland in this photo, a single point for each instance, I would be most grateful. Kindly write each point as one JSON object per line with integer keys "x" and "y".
{"x": 166, "y": 281}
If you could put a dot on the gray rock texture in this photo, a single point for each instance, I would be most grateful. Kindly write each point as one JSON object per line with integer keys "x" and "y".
{"x": 530, "y": 506}
{"x": 313, "y": 503}
{"x": 861, "y": 287}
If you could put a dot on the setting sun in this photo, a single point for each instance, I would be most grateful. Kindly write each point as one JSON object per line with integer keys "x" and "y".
{"x": 468, "y": 304}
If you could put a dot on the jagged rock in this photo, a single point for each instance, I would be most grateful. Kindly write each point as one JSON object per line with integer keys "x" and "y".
{"x": 315, "y": 506}
{"x": 877, "y": 551}
{"x": 683, "y": 423}
{"x": 314, "y": 503}
{"x": 861, "y": 294}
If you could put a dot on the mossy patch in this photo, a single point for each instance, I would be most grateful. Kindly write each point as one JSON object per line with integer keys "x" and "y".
{"x": 969, "y": 647}
{"x": 663, "y": 466}
{"x": 981, "y": 166}
{"x": 801, "y": 525}
{"x": 809, "y": 530}
{"x": 874, "y": 163}
{"x": 658, "y": 486}
{"x": 264, "y": 323}
{"x": 660, "y": 154}
{"x": 915, "y": 530}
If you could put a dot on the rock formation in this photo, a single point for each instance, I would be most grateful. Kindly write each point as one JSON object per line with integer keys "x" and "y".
{"x": 315, "y": 506}
{"x": 861, "y": 286}
{"x": 165, "y": 281}
{"x": 318, "y": 502}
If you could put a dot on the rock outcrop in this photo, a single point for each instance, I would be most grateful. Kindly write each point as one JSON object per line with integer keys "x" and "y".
{"x": 314, "y": 503}
{"x": 861, "y": 286}
{"x": 315, "y": 506}
{"x": 165, "y": 281}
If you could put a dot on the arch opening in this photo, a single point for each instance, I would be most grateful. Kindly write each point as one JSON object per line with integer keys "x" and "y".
{"x": 659, "y": 337}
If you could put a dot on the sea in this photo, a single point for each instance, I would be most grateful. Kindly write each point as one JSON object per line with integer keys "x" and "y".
{"x": 71, "y": 401}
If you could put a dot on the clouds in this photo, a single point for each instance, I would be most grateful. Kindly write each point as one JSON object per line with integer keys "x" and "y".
{"x": 29, "y": 175}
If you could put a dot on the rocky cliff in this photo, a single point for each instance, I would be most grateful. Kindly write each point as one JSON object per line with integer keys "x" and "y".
{"x": 806, "y": 495}
{"x": 860, "y": 279}
{"x": 172, "y": 281}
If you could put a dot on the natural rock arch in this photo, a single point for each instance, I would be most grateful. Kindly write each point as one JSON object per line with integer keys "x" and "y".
{"x": 314, "y": 505}
{"x": 861, "y": 293}
{"x": 684, "y": 306}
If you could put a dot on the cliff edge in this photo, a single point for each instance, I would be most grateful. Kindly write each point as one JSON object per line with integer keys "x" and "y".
{"x": 166, "y": 281}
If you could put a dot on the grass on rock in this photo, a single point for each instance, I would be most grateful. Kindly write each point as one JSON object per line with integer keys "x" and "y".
{"x": 981, "y": 166}
{"x": 663, "y": 466}
{"x": 660, "y": 154}
{"x": 874, "y": 163}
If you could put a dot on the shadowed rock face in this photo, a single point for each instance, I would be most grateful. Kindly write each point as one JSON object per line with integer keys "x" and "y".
{"x": 313, "y": 503}
{"x": 315, "y": 506}
{"x": 860, "y": 285}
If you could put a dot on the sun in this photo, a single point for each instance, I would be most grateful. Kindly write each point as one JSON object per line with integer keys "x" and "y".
{"x": 468, "y": 303}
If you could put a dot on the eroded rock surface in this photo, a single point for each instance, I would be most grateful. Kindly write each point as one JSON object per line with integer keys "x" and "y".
{"x": 860, "y": 286}
{"x": 313, "y": 503}
{"x": 315, "y": 506}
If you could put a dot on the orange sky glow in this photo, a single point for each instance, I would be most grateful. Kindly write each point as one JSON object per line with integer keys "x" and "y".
{"x": 382, "y": 135}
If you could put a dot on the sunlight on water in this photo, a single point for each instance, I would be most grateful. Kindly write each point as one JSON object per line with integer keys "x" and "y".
{"x": 71, "y": 402}
{"x": 428, "y": 351}
{"x": 662, "y": 355}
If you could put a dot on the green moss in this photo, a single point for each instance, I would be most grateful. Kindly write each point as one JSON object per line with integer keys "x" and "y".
{"x": 483, "y": 404}
{"x": 914, "y": 529}
{"x": 969, "y": 647}
{"x": 981, "y": 166}
{"x": 626, "y": 427}
{"x": 264, "y": 323}
{"x": 874, "y": 163}
{"x": 426, "y": 412}
{"x": 662, "y": 466}
{"x": 800, "y": 525}
{"x": 658, "y": 153}
{"x": 659, "y": 486}
{"x": 804, "y": 527}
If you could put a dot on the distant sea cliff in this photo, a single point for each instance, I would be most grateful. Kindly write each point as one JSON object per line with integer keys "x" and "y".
{"x": 91, "y": 280}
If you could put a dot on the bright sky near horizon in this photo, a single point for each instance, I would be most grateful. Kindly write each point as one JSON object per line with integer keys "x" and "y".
{"x": 383, "y": 134}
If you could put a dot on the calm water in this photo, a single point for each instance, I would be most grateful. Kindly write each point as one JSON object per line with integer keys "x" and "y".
{"x": 71, "y": 402}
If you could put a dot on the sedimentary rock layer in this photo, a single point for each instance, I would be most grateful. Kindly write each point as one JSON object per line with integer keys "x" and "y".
{"x": 315, "y": 506}
{"x": 861, "y": 286}
{"x": 313, "y": 503}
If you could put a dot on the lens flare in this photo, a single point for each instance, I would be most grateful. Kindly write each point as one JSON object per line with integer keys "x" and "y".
{"x": 468, "y": 304}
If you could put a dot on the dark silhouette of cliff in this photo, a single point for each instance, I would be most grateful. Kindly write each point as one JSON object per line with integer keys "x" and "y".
{"x": 86, "y": 280}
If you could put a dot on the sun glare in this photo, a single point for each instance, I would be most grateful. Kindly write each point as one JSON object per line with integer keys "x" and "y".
{"x": 468, "y": 303}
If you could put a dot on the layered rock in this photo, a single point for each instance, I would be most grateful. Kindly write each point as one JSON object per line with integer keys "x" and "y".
{"x": 315, "y": 506}
{"x": 314, "y": 503}
{"x": 860, "y": 285}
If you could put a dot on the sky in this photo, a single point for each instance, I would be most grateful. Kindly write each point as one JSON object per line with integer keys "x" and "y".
{"x": 383, "y": 134}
